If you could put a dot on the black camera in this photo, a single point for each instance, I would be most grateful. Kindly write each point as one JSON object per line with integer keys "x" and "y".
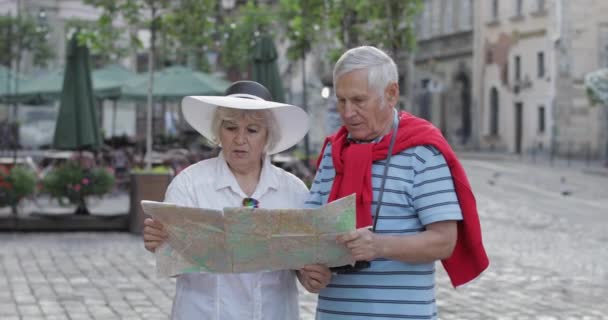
{"x": 348, "y": 268}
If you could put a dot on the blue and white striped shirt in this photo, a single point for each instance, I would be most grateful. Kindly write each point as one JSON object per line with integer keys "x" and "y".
{"x": 419, "y": 191}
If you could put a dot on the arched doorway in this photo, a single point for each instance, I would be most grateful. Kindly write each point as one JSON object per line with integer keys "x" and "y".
{"x": 465, "y": 102}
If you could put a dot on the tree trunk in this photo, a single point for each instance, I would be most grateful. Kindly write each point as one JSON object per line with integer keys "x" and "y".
{"x": 82, "y": 208}
{"x": 150, "y": 108}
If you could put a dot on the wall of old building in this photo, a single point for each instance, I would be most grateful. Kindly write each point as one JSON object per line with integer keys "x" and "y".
{"x": 514, "y": 79}
{"x": 583, "y": 48}
{"x": 442, "y": 84}
{"x": 555, "y": 115}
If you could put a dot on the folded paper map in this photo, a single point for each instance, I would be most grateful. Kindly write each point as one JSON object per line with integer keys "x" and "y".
{"x": 237, "y": 240}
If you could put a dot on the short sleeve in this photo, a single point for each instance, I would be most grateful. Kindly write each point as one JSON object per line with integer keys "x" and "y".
{"x": 321, "y": 185}
{"x": 179, "y": 192}
{"x": 433, "y": 195}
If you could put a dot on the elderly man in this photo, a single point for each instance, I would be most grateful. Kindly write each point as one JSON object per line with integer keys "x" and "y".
{"x": 414, "y": 203}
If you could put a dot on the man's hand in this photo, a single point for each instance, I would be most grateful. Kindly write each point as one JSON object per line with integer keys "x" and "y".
{"x": 362, "y": 244}
{"x": 314, "y": 277}
{"x": 154, "y": 234}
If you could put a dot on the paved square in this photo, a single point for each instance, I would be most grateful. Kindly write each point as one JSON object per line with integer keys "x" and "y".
{"x": 548, "y": 258}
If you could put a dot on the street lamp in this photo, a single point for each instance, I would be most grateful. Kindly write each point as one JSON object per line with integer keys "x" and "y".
{"x": 325, "y": 92}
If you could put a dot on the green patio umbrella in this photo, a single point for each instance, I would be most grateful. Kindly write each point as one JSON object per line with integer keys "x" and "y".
{"x": 265, "y": 69}
{"x": 109, "y": 81}
{"x": 42, "y": 88}
{"x": 174, "y": 83}
{"x": 77, "y": 125}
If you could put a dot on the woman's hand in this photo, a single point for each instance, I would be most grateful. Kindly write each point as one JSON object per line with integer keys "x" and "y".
{"x": 314, "y": 277}
{"x": 154, "y": 234}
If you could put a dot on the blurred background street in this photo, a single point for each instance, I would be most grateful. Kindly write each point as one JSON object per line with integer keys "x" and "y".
{"x": 544, "y": 229}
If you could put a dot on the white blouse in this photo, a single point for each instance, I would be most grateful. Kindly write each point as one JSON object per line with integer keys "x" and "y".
{"x": 261, "y": 295}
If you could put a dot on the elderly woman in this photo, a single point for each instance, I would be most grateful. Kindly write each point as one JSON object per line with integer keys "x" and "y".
{"x": 248, "y": 126}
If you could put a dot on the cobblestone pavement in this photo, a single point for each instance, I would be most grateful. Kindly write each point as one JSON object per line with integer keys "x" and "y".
{"x": 548, "y": 258}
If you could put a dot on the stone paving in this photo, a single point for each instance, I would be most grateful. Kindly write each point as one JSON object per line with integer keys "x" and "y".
{"x": 548, "y": 258}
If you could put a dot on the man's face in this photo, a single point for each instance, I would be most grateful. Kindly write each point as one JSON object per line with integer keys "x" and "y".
{"x": 361, "y": 108}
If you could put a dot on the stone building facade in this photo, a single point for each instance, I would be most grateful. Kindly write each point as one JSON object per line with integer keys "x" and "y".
{"x": 442, "y": 73}
{"x": 530, "y": 59}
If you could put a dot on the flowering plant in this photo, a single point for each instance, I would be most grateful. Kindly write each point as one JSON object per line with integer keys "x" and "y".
{"x": 15, "y": 184}
{"x": 74, "y": 183}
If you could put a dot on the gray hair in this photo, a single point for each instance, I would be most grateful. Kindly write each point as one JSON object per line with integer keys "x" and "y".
{"x": 381, "y": 69}
{"x": 265, "y": 116}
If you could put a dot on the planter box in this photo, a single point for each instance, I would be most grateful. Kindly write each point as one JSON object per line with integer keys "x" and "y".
{"x": 145, "y": 186}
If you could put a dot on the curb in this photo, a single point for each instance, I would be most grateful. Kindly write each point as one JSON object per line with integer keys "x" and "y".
{"x": 596, "y": 171}
{"x": 483, "y": 156}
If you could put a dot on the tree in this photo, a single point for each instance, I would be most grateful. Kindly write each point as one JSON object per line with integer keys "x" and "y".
{"x": 103, "y": 39}
{"x": 238, "y": 33}
{"x": 387, "y": 24}
{"x": 137, "y": 15}
{"x": 23, "y": 34}
{"x": 18, "y": 35}
{"x": 390, "y": 25}
{"x": 304, "y": 18}
{"x": 191, "y": 28}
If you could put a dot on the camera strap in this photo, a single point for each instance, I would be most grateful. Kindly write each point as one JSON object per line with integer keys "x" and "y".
{"x": 360, "y": 265}
{"x": 386, "y": 165}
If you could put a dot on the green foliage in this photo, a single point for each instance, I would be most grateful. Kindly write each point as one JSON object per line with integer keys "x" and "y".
{"x": 23, "y": 34}
{"x": 102, "y": 38}
{"x": 74, "y": 183}
{"x": 387, "y": 24}
{"x": 592, "y": 97}
{"x": 393, "y": 24}
{"x": 191, "y": 28}
{"x": 240, "y": 31}
{"x": 383, "y": 23}
{"x": 304, "y": 19}
{"x": 119, "y": 41}
{"x": 15, "y": 184}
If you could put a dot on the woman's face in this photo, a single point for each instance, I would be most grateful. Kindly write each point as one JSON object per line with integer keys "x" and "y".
{"x": 243, "y": 141}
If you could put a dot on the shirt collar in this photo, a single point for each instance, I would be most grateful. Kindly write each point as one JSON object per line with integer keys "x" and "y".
{"x": 226, "y": 179}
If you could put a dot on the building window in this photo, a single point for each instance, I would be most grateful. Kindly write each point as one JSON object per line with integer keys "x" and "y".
{"x": 495, "y": 10}
{"x": 435, "y": 18}
{"x": 426, "y": 21}
{"x": 466, "y": 14}
{"x": 540, "y": 57}
{"x": 519, "y": 10}
{"x": 494, "y": 112}
{"x": 541, "y": 119}
{"x": 517, "y": 68}
{"x": 505, "y": 73}
{"x": 540, "y": 5}
{"x": 489, "y": 56}
{"x": 603, "y": 46}
{"x": 448, "y": 15}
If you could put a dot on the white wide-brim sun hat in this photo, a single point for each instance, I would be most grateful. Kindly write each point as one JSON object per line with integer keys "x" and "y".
{"x": 293, "y": 122}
